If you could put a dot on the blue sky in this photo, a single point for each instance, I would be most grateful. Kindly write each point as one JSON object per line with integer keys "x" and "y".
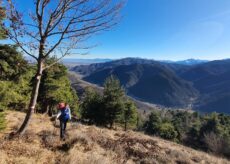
{"x": 166, "y": 30}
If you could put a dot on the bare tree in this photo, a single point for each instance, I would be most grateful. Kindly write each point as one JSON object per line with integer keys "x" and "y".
{"x": 56, "y": 28}
{"x": 214, "y": 142}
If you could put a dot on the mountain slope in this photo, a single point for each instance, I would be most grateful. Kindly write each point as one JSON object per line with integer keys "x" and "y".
{"x": 207, "y": 69}
{"x": 212, "y": 79}
{"x": 89, "y": 144}
{"x": 88, "y": 69}
{"x": 153, "y": 83}
{"x": 169, "y": 84}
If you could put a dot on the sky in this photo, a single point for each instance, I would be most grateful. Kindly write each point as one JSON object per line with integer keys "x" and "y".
{"x": 169, "y": 30}
{"x": 166, "y": 30}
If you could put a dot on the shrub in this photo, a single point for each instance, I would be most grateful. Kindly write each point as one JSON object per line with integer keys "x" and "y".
{"x": 213, "y": 142}
{"x": 152, "y": 124}
{"x": 167, "y": 131}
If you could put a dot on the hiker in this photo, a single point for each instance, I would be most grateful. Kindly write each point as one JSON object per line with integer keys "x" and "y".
{"x": 64, "y": 115}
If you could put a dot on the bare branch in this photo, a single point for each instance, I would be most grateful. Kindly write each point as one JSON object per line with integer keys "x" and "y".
{"x": 57, "y": 25}
{"x": 17, "y": 42}
{"x": 62, "y": 56}
{"x": 39, "y": 18}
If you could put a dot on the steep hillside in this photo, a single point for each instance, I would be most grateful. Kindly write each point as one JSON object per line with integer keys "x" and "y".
{"x": 91, "y": 145}
{"x": 212, "y": 79}
{"x": 203, "y": 70}
{"x": 88, "y": 69}
{"x": 80, "y": 86}
{"x": 169, "y": 84}
{"x": 153, "y": 83}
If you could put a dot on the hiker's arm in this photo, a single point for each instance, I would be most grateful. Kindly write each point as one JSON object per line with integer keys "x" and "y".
{"x": 59, "y": 114}
{"x": 69, "y": 114}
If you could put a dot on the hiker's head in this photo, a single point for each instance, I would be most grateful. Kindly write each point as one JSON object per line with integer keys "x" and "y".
{"x": 67, "y": 105}
{"x": 61, "y": 105}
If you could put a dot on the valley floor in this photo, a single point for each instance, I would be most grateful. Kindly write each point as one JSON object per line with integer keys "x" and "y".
{"x": 91, "y": 145}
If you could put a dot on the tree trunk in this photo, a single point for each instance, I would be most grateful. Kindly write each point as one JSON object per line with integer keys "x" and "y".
{"x": 125, "y": 125}
{"x": 33, "y": 99}
{"x": 137, "y": 125}
{"x": 50, "y": 111}
{"x": 47, "y": 109}
{"x": 111, "y": 125}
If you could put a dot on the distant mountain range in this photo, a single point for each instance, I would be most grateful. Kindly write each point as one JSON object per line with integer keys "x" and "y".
{"x": 100, "y": 60}
{"x": 186, "y": 62}
{"x": 203, "y": 85}
{"x": 80, "y": 61}
{"x": 75, "y": 60}
{"x": 85, "y": 61}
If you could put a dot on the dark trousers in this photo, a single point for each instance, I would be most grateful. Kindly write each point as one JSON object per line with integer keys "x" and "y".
{"x": 62, "y": 129}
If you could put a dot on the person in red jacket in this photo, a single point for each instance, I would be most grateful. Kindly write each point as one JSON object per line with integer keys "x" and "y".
{"x": 64, "y": 115}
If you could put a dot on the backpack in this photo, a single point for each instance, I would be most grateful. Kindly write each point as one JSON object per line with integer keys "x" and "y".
{"x": 65, "y": 114}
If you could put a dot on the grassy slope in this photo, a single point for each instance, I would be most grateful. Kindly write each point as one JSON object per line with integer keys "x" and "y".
{"x": 2, "y": 121}
{"x": 90, "y": 145}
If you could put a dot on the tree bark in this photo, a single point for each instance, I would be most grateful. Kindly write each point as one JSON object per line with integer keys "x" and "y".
{"x": 111, "y": 125}
{"x": 33, "y": 99}
{"x": 46, "y": 109}
{"x": 50, "y": 111}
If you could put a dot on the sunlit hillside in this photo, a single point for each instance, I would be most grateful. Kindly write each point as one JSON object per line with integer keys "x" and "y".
{"x": 90, "y": 144}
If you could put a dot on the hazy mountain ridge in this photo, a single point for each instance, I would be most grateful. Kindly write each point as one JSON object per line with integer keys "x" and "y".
{"x": 151, "y": 83}
{"x": 168, "y": 84}
{"x": 186, "y": 62}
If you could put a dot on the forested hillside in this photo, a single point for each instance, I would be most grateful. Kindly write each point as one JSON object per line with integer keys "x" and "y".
{"x": 151, "y": 83}
{"x": 213, "y": 82}
{"x": 203, "y": 87}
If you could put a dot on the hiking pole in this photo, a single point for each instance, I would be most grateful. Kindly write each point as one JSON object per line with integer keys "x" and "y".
{"x": 55, "y": 122}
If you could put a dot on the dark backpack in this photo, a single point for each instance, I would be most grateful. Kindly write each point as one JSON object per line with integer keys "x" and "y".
{"x": 65, "y": 114}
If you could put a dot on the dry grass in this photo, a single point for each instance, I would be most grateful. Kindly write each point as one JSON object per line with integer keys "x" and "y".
{"x": 91, "y": 145}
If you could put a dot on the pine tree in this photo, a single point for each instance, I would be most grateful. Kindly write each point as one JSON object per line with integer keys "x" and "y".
{"x": 15, "y": 77}
{"x": 12, "y": 63}
{"x": 129, "y": 114}
{"x": 55, "y": 87}
{"x": 153, "y": 123}
{"x": 113, "y": 100}
{"x": 91, "y": 108}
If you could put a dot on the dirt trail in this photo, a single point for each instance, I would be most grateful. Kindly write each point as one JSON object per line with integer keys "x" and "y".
{"x": 91, "y": 145}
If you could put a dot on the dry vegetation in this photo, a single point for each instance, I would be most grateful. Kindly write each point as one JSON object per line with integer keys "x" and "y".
{"x": 90, "y": 145}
